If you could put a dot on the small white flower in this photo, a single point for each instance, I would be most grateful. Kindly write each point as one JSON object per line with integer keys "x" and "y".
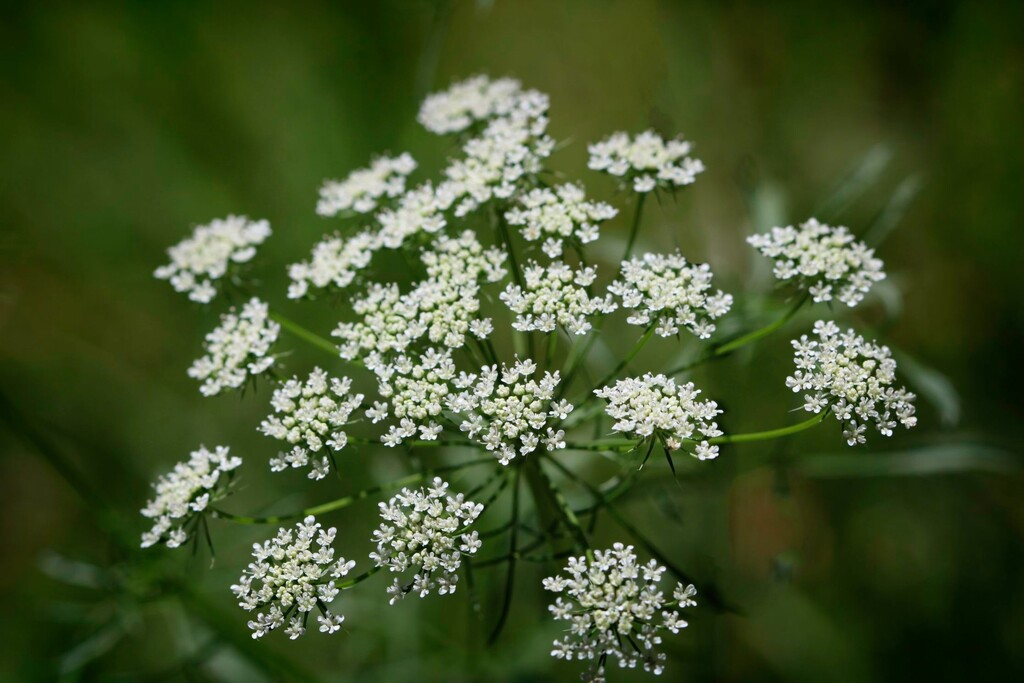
{"x": 186, "y": 491}
{"x": 237, "y": 349}
{"x": 827, "y": 261}
{"x": 291, "y": 575}
{"x": 558, "y": 214}
{"x": 647, "y": 160}
{"x": 425, "y": 531}
{"x": 852, "y": 377}
{"x": 464, "y": 103}
{"x": 335, "y": 262}
{"x": 555, "y": 295}
{"x": 361, "y": 191}
{"x": 616, "y": 610}
{"x": 205, "y": 257}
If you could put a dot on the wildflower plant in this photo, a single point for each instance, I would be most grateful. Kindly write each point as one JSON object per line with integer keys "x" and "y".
{"x": 485, "y": 342}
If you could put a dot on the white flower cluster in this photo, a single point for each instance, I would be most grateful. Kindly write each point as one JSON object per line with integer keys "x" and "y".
{"x": 416, "y": 386}
{"x": 853, "y": 378}
{"x": 206, "y": 256}
{"x": 647, "y": 159}
{"x": 555, "y": 295}
{"x": 616, "y": 609}
{"x": 672, "y": 292}
{"x": 237, "y": 349}
{"x": 558, "y": 214}
{"x": 441, "y": 308}
{"x": 419, "y": 210}
{"x": 309, "y": 415}
{"x": 186, "y": 491}
{"x": 289, "y": 577}
{"x": 654, "y": 405}
{"x": 363, "y": 188}
{"x": 335, "y": 262}
{"x": 426, "y": 531}
{"x": 828, "y": 261}
{"x": 510, "y": 415}
{"x": 477, "y": 98}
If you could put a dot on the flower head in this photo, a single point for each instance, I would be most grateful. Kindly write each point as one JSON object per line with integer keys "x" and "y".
{"x": 310, "y": 415}
{"x": 425, "y": 531}
{"x": 671, "y": 292}
{"x": 467, "y": 102}
{"x": 555, "y": 295}
{"x": 185, "y": 492}
{"x": 828, "y": 261}
{"x": 852, "y": 378}
{"x": 416, "y": 386}
{"x": 654, "y": 405}
{"x": 615, "y": 609}
{"x": 335, "y": 261}
{"x": 290, "y": 575}
{"x": 199, "y": 261}
{"x": 558, "y": 214}
{"x": 647, "y": 160}
{"x": 362, "y": 190}
{"x": 237, "y": 349}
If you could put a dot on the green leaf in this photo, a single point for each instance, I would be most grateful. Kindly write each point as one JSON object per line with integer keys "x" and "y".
{"x": 863, "y": 175}
{"x": 894, "y": 210}
{"x": 931, "y": 384}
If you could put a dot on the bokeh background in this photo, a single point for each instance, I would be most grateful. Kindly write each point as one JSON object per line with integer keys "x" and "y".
{"x": 125, "y": 124}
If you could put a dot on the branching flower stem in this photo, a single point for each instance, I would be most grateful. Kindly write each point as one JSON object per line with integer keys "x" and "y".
{"x": 510, "y": 576}
{"x": 635, "y": 228}
{"x": 629, "y": 356}
{"x": 305, "y": 335}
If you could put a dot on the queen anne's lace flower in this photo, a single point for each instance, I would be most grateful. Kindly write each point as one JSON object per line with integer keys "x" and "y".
{"x": 510, "y": 412}
{"x": 206, "y": 256}
{"x": 335, "y": 262}
{"x": 425, "y": 531}
{"x": 185, "y": 492}
{"x": 418, "y": 211}
{"x": 852, "y": 378}
{"x": 237, "y": 349}
{"x": 828, "y": 261}
{"x": 654, "y": 405}
{"x": 555, "y": 295}
{"x": 648, "y": 160}
{"x": 616, "y": 609}
{"x": 310, "y": 415}
{"x": 671, "y": 292}
{"x": 416, "y": 388}
{"x": 290, "y": 575}
{"x": 362, "y": 189}
{"x": 464, "y": 103}
{"x": 558, "y": 214}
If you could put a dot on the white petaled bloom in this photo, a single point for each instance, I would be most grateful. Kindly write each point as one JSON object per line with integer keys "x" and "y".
{"x": 416, "y": 387}
{"x": 361, "y": 191}
{"x": 310, "y": 415}
{"x": 666, "y": 290}
{"x": 185, "y": 492}
{"x": 509, "y": 411}
{"x": 557, "y": 215}
{"x": 477, "y": 98}
{"x": 829, "y": 262}
{"x": 425, "y": 531}
{"x": 335, "y": 262}
{"x": 853, "y": 378}
{"x": 555, "y": 295}
{"x": 510, "y": 149}
{"x": 647, "y": 160}
{"x": 616, "y": 609}
{"x": 655, "y": 405}
{"x": 291, "y": 575}
{"x": 418, "y": 211}
{"x": 205, "y": 257}
{"x": 443, "y": 308}
{"x": 237, "y": 349}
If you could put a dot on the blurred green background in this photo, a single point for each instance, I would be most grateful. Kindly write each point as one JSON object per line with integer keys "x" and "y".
{"x": 124, "y": 125}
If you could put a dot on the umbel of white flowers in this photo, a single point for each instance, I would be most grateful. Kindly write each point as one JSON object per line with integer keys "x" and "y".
{"x": 616, "y": 609}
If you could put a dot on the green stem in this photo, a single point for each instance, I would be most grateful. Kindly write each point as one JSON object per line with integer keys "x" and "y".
{"x": 346, "y": 501}
{"x": 305, "y": 334}
{"x": 629, "y": 357}
{"x": 355, "y": 580}
{"x": 510, "y": 576}
{"x": 635, "y": 228}
{"x": 543, "y": 486}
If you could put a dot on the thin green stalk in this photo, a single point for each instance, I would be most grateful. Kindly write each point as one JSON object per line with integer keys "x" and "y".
{"x": 346, "y": 501}
{"x": 629, "y": 357}
{"x": 635, "y": 228}
{"x": 510, "y": 576}
{"x": 305, "y": 334}
{"x": 355, "y": 580}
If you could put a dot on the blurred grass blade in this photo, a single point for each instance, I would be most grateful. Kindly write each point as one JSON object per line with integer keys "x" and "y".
{"x": 856, "y": 182}
{"x": 894, "y": 210}
{"x": 93, "y": 647}
{"x": 916, "y": 462}
{"x": 932, "y": 385}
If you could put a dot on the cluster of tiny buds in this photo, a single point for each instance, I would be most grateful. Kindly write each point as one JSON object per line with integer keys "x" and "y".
{"x": 828, "y": 261}
{"x": 201, "y": 260}
{"x": 185, "y": 492}
{"x": 361, "y": 191}
{"x": 310, "y": 415}
{"x": 616, "y": 609}
{"x": 853, "y": 378}
{"x": 237, "y": 349}
{"x": 425, "y": 531}
{"x": 666, "y": 290}
{"x": 555, "y": 295}
{"x": 557, "y": 215}
{"x": 647, "y": 160}
{"x": 290, "y": 575}
{"x": 654, "y": 405}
